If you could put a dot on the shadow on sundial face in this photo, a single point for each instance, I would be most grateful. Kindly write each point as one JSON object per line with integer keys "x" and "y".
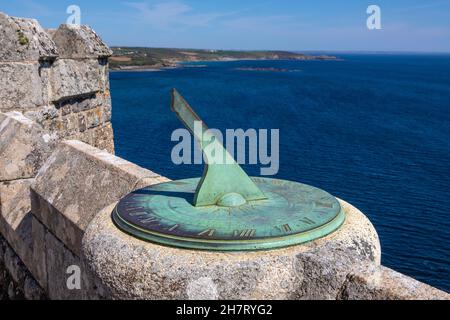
{"x": 188, "y": 196}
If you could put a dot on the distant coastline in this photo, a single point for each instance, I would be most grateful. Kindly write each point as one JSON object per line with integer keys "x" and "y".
{"x": 155, "y": 59}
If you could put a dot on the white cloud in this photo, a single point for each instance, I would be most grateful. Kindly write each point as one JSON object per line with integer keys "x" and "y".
{"x": 169, "y": 14}
{"x": 246, "y": 29}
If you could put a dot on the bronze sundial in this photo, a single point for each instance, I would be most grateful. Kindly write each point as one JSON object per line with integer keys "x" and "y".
{"x": 225, "y": 209}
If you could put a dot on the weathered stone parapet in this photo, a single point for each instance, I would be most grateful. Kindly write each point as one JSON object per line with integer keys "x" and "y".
{"x": 134, "y": 269}
{"x": 71, "y": 78}
{"x": 26, "y": 53}
{"x": 86, "y": 118}
{"x": 46, "y": 275}
{"x": 58, "y": 259}
{"x": 24, "y": 40}
{"x": 45, "y": 97}
{"x": 41, "y": 71}
{"x": 24, "y": 146}
{"x": 76, "y": 182}
{"x": 98, "y": 137}
{"x": 16, "y": 282}
{"x": 343, "y": 265}
{"x": 381, "y": 283}
{"x": 79, "y": 42}
{"x": 15, "y": 217}
{"x": 24, "y": 85}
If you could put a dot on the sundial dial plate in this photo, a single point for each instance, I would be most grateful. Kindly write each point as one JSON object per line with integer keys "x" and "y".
{"x": 226, "y": 209}
{"x": 293, "y": 213}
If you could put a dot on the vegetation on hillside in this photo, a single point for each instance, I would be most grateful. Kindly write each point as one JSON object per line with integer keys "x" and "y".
{"x": 141, "y": 58}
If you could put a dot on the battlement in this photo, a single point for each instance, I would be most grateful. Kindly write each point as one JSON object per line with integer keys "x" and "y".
{"x": 57, "y": 78}
{"x": 54, "y": 86}
{"x": 59, "y": 182}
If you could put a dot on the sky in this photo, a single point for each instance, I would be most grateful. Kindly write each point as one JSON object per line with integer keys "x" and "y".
{"x": 296, "y": 25}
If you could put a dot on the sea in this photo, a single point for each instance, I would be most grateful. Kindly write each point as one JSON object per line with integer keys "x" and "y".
{"x": 372, "y": 129}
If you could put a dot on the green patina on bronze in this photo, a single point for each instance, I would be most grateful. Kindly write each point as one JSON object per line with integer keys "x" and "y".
{"x": 222, "y": 177}
{"x": 226, "y": 209}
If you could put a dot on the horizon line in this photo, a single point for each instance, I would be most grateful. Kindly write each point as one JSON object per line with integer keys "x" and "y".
{"x": 294, "y": 51}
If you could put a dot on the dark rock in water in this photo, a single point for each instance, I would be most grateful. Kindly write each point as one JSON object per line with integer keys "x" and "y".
{"x": 268, "y": 69}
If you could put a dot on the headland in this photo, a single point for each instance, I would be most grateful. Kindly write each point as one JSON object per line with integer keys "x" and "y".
{"x": 140, "y": 59}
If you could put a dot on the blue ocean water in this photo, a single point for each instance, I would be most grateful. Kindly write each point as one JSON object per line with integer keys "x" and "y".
{"x": 371, "y": 129}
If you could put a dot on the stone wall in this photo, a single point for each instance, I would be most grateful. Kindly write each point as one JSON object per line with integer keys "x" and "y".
{"x": 54, "y": 85}
{"x": 16, "y": 281}
{"x": 59, "y": 182}
{"x": 59, "y": 79}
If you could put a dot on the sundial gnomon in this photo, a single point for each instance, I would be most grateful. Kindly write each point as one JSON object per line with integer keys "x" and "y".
{"x": 225, "y": 209}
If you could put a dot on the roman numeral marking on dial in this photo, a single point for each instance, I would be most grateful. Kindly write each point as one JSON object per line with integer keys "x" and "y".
{"x": 174, "y": 227}
{"x": 321, "y": 204}
{"x": 246, "y": 233}
{"x": 131, "y": 204}
{"x": 149, "y": 220}
{"x": 138, "y": 213}
{"x": 131, "y": 209}
{"x": 307, "y": 221}
{"x": 286, "y": 228}
{"x": 137, "y": 195}
{"x": 207, "y": 232}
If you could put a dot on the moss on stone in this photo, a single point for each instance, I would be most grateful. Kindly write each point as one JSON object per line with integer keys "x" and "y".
{"x": 23, "y": 40}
